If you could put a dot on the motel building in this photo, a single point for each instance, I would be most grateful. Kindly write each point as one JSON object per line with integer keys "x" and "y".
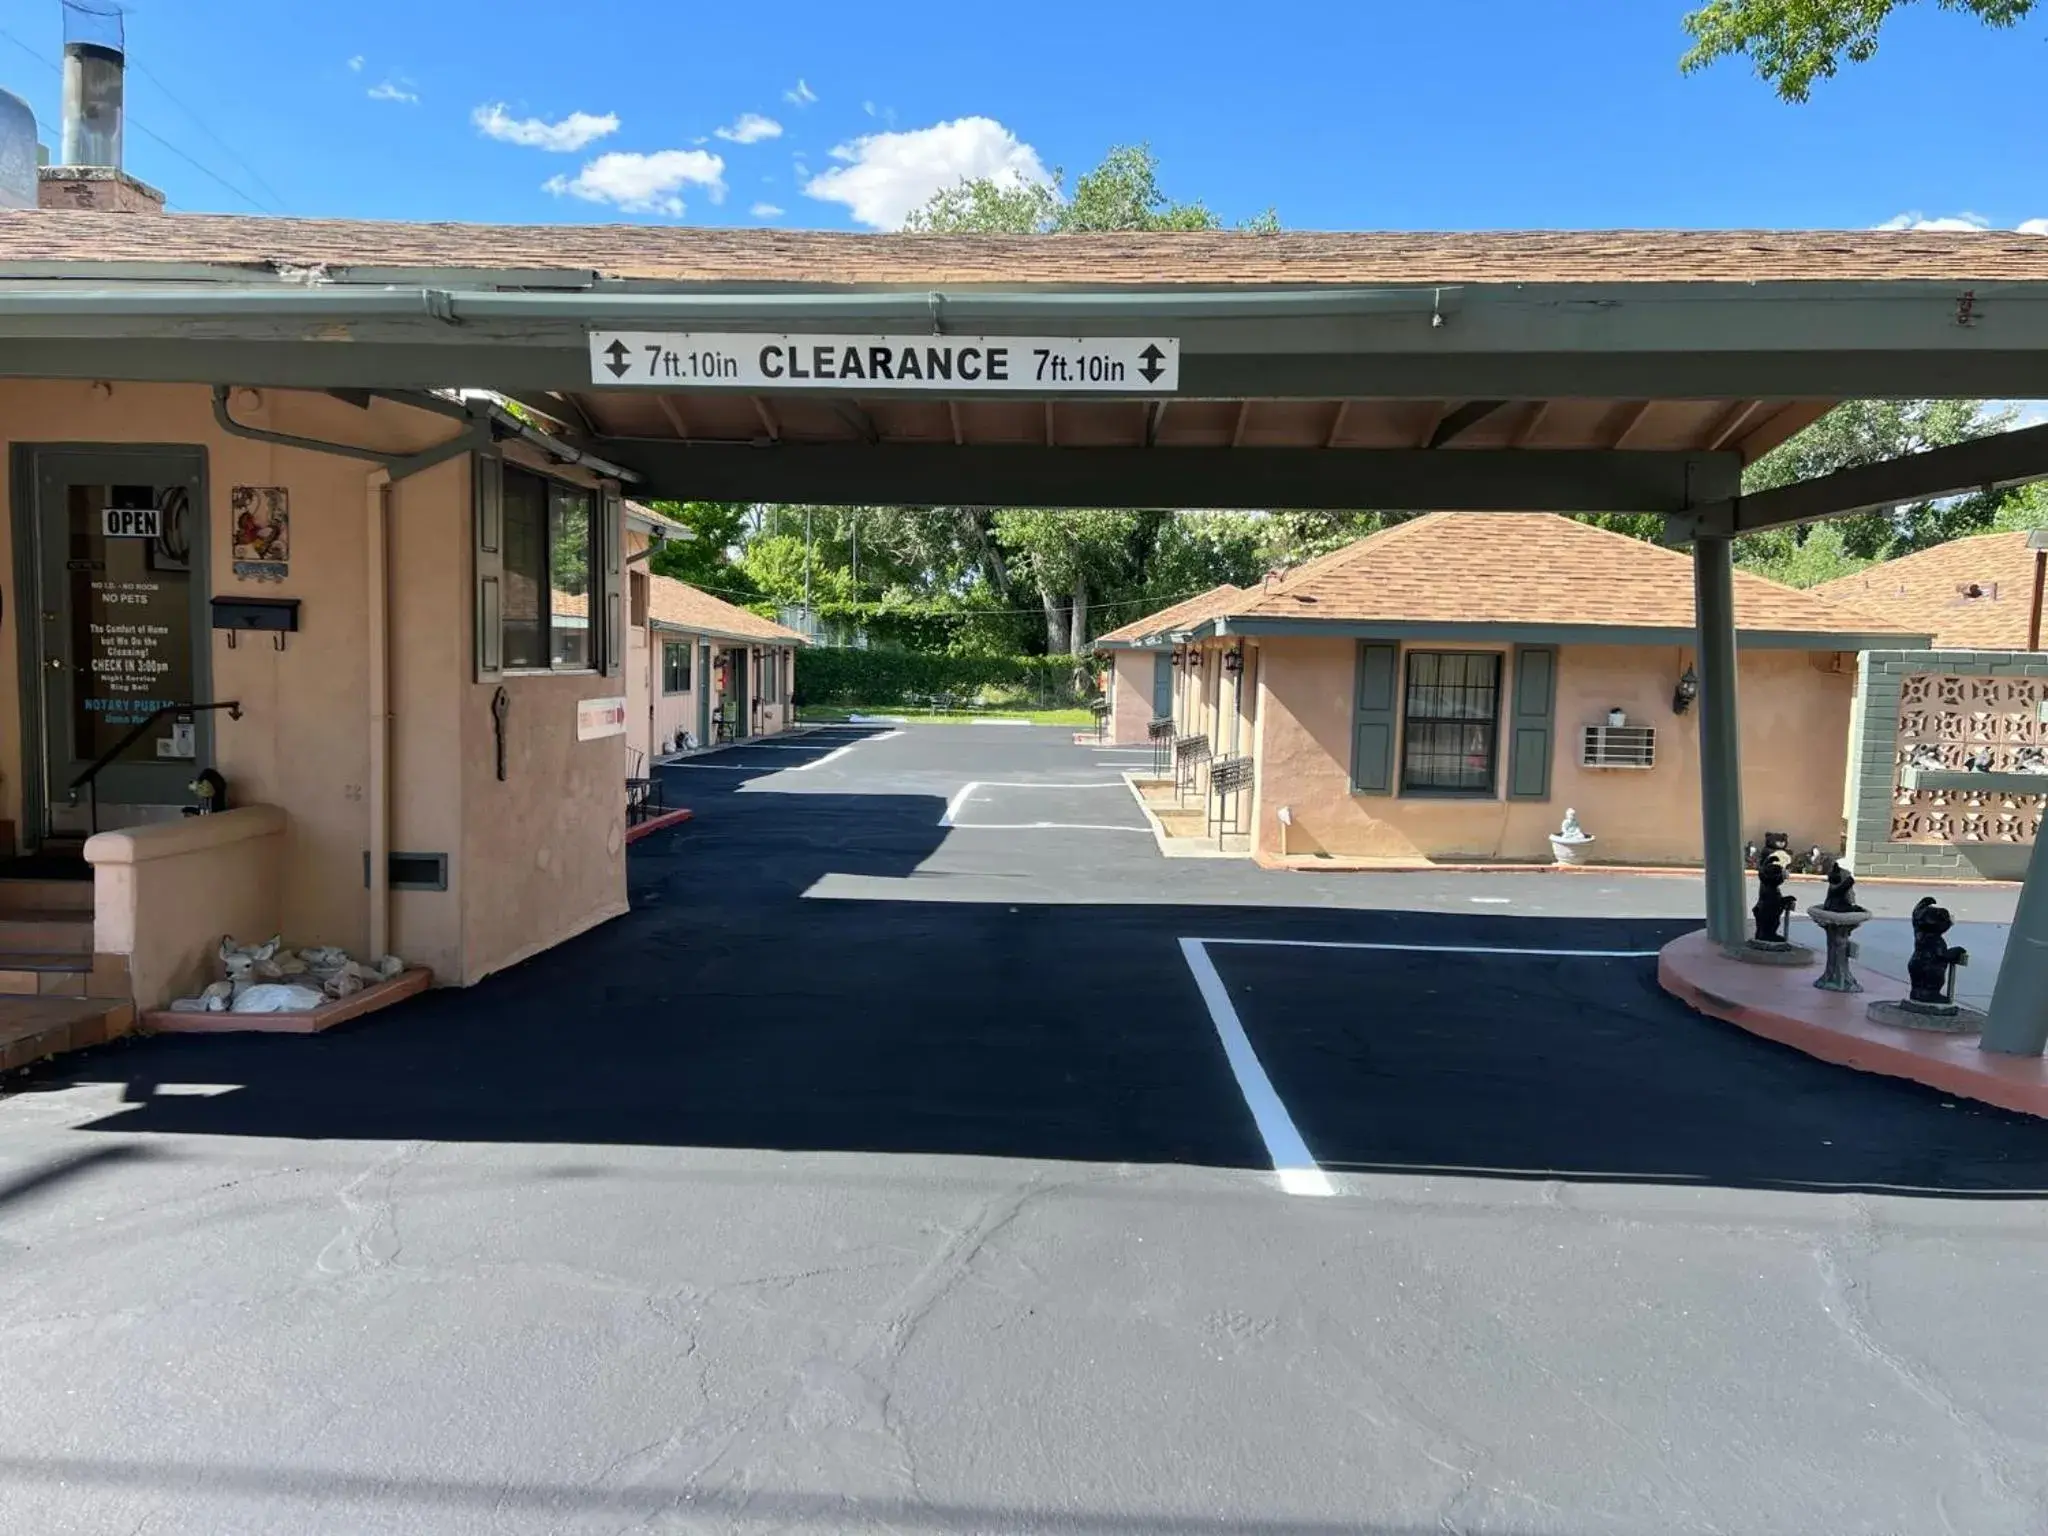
{"x": 1443, "y": 690}
{"x": 322, "y": 527}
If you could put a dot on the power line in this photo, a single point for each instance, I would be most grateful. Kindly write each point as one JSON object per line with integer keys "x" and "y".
{"x": 958, "y": 613}
{"x": 143, "y": 128}
{"x": 276, "y": 199}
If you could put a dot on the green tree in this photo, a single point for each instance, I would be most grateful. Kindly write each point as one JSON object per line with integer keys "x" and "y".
{"x": 705, "y": 560}
{"x": 1122, "y": 193}
{"x": 1869, "y": 432}
{"x": 2024, "y": 509}
{"x": 1821, "y": 556}
{"x": 1069, "y": 555}
{"x": 1792, "y": 43}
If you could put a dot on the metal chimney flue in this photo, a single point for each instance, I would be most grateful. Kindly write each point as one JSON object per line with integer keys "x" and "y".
{"x": 95, "y": 70}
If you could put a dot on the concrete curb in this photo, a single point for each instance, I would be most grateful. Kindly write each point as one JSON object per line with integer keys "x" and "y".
{"x": 1176, "y": 847}
{"x": 1784, "y": 1005}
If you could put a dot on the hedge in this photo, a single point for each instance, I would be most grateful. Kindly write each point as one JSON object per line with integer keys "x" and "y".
{"x": 832, "y": 675}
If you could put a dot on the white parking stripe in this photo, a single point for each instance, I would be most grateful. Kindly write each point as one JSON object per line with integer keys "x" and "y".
{"x": 1041, "y": 826}
{"x": 1447, "y": 949}
{"x": 1298, "y": 1172}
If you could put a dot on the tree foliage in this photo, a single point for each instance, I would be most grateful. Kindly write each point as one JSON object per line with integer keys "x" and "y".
{"x": 1869, "y": 432}
{"x": 1122, "y": 193}
{"x": 1793, "y": 43}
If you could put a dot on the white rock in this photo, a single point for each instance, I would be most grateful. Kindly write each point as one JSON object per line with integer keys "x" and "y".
{"x": 277, "y": 997}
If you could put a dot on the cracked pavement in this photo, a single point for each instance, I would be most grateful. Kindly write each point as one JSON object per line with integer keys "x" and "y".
{"x": 872, "y": 1179}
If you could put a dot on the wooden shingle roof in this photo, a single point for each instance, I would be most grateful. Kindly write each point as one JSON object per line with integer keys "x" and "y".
{"x": 682, "y": 606}
{"x": 1184, "y": 614}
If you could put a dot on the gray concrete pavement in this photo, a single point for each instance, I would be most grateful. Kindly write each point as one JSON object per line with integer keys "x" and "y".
{"x": 875, "y": 1176}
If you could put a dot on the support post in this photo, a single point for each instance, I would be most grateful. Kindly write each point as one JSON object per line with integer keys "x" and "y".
{"x": 2018, "y": 1025}
{"x": 1720, "y": 737}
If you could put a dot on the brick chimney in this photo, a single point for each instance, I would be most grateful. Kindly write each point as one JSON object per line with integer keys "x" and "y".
{"x": 105, "y": 188}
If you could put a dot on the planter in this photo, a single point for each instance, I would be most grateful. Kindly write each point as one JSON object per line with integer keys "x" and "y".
{"x": 1617, "y": 718}
{"x": 1569, "y": 851}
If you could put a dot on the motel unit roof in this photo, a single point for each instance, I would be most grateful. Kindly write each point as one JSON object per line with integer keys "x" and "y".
{"x": 676, "y": 605}
{"x": 1974, "y": 594}
{"x": 1534, "y": 577}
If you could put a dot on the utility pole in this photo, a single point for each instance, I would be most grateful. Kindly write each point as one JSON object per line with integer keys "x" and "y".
{"x": 807, "y": 569}
{"x": 856, "y": 554}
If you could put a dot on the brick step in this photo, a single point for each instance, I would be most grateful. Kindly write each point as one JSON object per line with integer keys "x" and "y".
{"x": 46, "y": 930}
{"x": 32, "y": 973}
{"x": 44, "y": 896}
{"x": 32, "y": 1028}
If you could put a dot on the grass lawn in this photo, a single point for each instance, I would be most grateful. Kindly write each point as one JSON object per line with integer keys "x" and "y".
{"x": 813, "y": 714}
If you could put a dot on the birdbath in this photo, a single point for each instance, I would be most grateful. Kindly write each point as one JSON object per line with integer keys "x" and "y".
{"x": 1839, "y": 917}
{"x": 1568, "y": 844}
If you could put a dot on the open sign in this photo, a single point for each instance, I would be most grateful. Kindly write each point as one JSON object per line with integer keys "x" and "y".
{"x": 132, "y": 522}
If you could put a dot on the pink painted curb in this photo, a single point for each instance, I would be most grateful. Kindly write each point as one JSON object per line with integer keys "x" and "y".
{"x": 655, "y": 824}
{"x": 1785, "y": 1006}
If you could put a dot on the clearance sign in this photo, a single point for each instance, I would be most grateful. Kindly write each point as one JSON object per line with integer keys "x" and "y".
{"x": 1121, "y": 365}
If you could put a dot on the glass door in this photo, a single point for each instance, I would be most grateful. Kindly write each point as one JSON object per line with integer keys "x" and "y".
{"x": 120, "y": 611}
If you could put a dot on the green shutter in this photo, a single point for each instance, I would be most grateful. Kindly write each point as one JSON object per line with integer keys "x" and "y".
{"x": 610, "y": 564}
{"x": 1374, "y": 718}
{"x": 487, "y": 474}
{"x": 1532, "y": 725}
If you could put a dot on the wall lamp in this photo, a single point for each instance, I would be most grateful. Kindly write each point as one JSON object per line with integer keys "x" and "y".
{"x": 1233, "y": 660}
{"x": 1687, "y": 690}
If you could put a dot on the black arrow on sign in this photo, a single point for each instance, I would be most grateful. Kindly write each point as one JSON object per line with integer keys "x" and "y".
{"x": 1153, "y": 357}
{"x": 618, "y": 364}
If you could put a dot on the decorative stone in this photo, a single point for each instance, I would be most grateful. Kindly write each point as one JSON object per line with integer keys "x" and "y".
{"x": 1955, "y": 1019}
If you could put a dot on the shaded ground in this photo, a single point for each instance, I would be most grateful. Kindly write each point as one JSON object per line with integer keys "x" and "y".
{"x": 879, "y": 1174}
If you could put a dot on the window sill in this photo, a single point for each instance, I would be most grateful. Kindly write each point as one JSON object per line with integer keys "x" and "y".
{"x": 1470, "y": 796}
{"x": 550, "y": 672}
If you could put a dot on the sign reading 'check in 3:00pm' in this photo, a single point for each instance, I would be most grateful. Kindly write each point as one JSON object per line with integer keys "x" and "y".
{"x": 1128, "y": 365}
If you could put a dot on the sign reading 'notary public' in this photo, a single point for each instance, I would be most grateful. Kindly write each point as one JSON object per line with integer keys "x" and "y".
{"x": 1124, "y": 365}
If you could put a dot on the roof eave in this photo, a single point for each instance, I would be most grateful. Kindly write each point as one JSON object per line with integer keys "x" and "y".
{"x": 1756, "y": 639}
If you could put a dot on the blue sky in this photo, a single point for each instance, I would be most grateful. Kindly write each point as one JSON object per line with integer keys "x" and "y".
{"x": 1429, "y": 114}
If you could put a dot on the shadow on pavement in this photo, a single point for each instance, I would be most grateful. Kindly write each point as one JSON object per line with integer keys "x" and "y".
{"x": 727, "y": 1011}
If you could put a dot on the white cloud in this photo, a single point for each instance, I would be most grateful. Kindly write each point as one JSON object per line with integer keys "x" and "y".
{"x": 644, "y": 183}
{"x": 868, "y": 107}
{"x": 2035, "y": 227}
{"x": 750, "y": 128}
{"x": 564, "y": 137}
{"x": 765, "y": 211}
{"x": 887, "y": 176}
{"x": 800, "y": 94}
{"x": 1948, "y": 224}
{"x": 357, "y": 63}
{"x": 393, "y": 90}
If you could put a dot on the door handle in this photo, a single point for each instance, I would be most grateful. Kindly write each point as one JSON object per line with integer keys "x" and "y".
{"x": 56, "y": 664}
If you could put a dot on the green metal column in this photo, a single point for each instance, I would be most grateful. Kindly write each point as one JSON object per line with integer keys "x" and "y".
{"x": 1713, "y": 569}
{"x": 2019, "y": 1004}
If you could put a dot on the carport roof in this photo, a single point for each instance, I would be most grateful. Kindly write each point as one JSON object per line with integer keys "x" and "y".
{"x": 356, "y": 249}
{"x": 1536, "y": 576}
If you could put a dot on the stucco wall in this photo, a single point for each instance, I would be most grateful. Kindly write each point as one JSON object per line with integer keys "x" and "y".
{"x": 1130, "y": 697}
{"x": 1794, "y": 729}
{"x": 531, "y": 860}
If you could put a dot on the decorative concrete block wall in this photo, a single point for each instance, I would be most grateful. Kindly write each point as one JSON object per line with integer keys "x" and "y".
{"x": 1959, "y": 702}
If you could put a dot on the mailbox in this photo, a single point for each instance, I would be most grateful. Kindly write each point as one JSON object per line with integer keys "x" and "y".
{"x": 278, "y": 615}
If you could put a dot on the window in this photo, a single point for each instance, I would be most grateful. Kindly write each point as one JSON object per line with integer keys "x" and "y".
{"x": 547, "y": 555}
{"x": 675, "y": 666}
{"x": 771, "y": 677}
{"x": 641, "y": 589}
{"x": 1450, "y": 722}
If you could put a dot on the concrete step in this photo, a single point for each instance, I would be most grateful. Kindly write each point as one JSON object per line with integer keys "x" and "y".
{"x": 39, "y": 973}
{"x": 45, "y": 930}
{"x": 17, "y": 895}
{"x": 32, "y": 1028}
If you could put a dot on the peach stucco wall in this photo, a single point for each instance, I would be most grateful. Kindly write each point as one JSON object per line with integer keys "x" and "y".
{"x": 531, "y": 860}
{"x": 1795, "y": 718}
{"x": 1130, "y": 697}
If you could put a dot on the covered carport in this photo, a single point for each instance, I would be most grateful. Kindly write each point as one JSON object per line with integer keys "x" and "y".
{"x": 1626, "y": 373}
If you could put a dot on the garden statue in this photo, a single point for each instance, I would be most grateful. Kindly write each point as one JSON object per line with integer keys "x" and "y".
{"x": 212, "y": 791}
{"x": 1839, "y": 917}
{"x": 1932, "y": 970}
{"x": 1773, "y": 906}
{"x": 1931, "y": 1004}
{"x": 1979, "y": 761}
{"x": 2030, "y": 760}
{"x": 1568, "y": 844}
{"x": 1752, "y": 855}
{"x": 1818, "y": 861}
{"x": 1777, "y": 842}
{"x": 1841, "y": 895}
{"x": 1925, "y": 757}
